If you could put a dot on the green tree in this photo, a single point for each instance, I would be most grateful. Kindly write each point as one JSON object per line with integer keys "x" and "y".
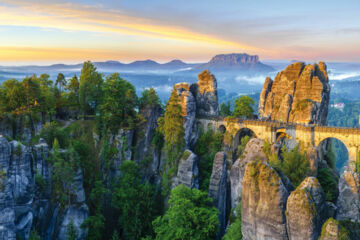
{"x": 60, "y": 81}
{"x": 12, "y": 97}
{"x": 71, "y": 231}
{"x": 244, "y": 107}
{"x": 190, "y": 216}
{"x": 90, "y": 88}
{"x": 135, "y": 202}
{"x": 225, "y": 109}
{"x": 34, "y": 235}
{"x": 294, "y": 164}
{"x": 171, "y": 126}
{"x": 119, "y": 102}
{"x": 149, "y": 99}
{"x": 64, "y": 170}
{"x": 234, "y": 230}
{"x": 208, "y": 144}
{"x": 73, "y": 93}
{"x": 329, "y": 183}
{"x": 47, "y": 99}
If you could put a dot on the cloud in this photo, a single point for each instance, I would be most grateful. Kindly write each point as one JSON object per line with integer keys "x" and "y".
{"x": 76, "y": 17}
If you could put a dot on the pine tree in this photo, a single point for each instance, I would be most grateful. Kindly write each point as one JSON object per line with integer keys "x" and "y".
{"x": 171, "y": 126}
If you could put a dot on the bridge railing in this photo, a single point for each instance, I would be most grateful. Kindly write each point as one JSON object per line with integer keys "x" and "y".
{"x": 286, "y": 124}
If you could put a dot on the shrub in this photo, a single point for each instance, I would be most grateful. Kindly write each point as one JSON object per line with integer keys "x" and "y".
{"x": 234, "y": 230}
{"x": 328, "y": 183}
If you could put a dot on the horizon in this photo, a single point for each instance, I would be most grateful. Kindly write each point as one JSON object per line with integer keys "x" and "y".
{"x": 70, "y": 31}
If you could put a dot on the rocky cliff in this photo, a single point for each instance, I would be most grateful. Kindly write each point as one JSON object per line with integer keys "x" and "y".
{"x": 206, "y": 96}
{"x": 264, "y": 198}
{"x": 306, "y": 210}
{"x": 219, "y": 189}
{"x": 299, "y": 94}
{"x": 197, "y": 100}
{"x": 25, "y": 202}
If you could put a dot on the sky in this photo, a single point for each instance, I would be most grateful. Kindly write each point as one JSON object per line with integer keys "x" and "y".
{"x": 69, "y": 31}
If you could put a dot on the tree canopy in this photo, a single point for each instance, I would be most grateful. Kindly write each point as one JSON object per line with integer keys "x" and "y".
{"x": 190, "y": 216}
{"x": 244, "y": 107}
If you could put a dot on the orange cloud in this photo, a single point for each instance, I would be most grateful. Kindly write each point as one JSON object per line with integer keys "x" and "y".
{"x": 87, "y": 18}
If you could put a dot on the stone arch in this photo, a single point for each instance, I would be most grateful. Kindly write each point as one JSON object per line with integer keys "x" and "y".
{"x": 324, "y": 151}
{"x": 222, "y": 129}
{"x": 240, "y": 134}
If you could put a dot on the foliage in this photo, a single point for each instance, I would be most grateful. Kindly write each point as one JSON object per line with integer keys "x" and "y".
{"x": 71, "y": 231}
{"x": 118, "y": 104}
{"x": 171, "y": 126}
{"x": 64, "y": 170}
{"x": 90, "y": 88}
{"x": 149, "y": 99}
{"x": 328, "y": 183}
{"x": 135, "y": 202}
{"x": 244, "y": 107}
{"x": 330, "y": 156}
{"x": 225, "y": 109}
{"x": 190, "y": 216}
{"x": 34, "y": 235}
{"x": 95, "y": 225}
{"x": 52, "y": 131}
{"x": 234, "y": 230}
{"x": 158, "y": 140}
{"x": 294, "y": 164}
{"x": 115, "y": 236}
{"x": 343, "y": 233}
{"x": 39, "y": 180}
{"x": 244, "y": 140}
{"x": 208, "y": 144}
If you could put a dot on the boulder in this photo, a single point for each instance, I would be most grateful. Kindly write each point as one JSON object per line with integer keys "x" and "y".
{"x": 218, "y": 188}
{"x": 348, "y": 202}
{"x": 331, "y": 230}
{"x": 298, "y": 94}
{"x": 263, "y": 201}
{"x": 252, "y": 152}
{"x": 76, "y": 216}
{"x": 306, "y": 210}
{"x": 188, "y": 171}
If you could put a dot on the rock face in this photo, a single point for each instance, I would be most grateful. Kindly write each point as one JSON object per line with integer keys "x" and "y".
{"x": 25, "y": 204}
{"x": 206, "y": 96}
{"x": 332, "y": 230}
{"x": 188, "y": 106}
{"x": 348, "y": 202}
{"x": 264, "y": 198}
{"x": 77, "y": 212}
{"x": 188, "y": 171}
{"x": 144, "y": 148}
{"x": 299, "y": 94}
{"x": 306, "y": 210}
{"x": 252, "y": 152}
{"x": 218, "y": 188}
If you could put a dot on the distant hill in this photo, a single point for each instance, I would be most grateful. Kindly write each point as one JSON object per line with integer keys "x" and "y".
{"x": 235, "y": 62}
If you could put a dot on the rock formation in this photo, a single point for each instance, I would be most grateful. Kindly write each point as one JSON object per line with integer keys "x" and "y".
{"x": 24, "y": 204}
{"x": 188, "y": 171}
{"x": 299, "y": 94}
{"x": 235, "y": 62}
{"x": 332, "y": 230}
{"x": 264, "y": 198}
{"x": 252, "y": 152}
{"x": 218, "y": 188}
{"x": 206, "y": 96}
{"x": 188, "y": 106}
{"x": 348, "y": 202}
{"x": 306, "y": 210}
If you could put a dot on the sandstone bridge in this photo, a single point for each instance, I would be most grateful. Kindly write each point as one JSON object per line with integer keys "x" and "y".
{"x": 273, "y": 132}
